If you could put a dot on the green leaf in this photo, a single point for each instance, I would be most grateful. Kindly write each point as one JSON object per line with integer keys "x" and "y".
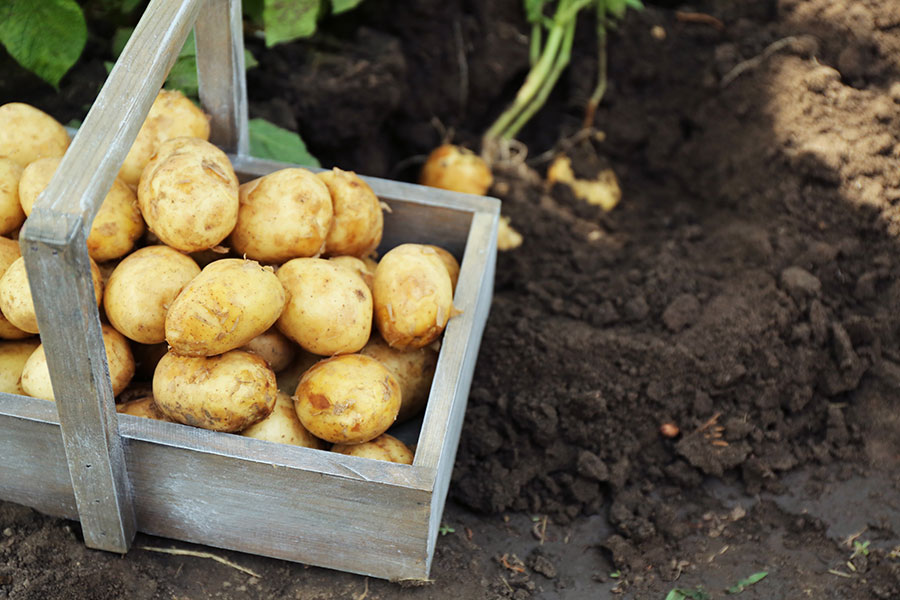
{"x": 682, "y": 594}
{"x": 340, "y": 6}
{"x": 743, "y": 584}
{"x": 249, "y": 60}
{"x": 120, "y": 38}
{"x": 183, "y": 76}
{"x": 534, "y": 10}
{"x": 46, "y": 37}
{"x": 253, "y": 11}
{"x": 268, "y": 140}
{"x": 287, "y": 20}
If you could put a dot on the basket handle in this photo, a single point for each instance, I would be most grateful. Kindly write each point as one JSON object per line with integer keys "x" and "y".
{"x": 53, "y": 243}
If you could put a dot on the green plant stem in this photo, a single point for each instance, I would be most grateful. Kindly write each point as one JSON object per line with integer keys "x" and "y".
{"x": 534, "y": 50}
{"x": 600, "y": 90}
{"x": 559, "y": 65}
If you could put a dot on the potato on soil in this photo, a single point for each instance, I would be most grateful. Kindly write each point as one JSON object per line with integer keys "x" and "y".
{"x": 228, "y": 304}
{"x": 283, "y": 426}
{"x": 283, "y": 215}
{"x": 229, "y": 392}
{"x": 364, "y": 267}
{"x": 171, "y": 115}
{"x": 358, "y": 221}
{"x": 456, "y": 169}
{"x": 27, "y": 134}
{"x": 11, "y": 214}
{"x": 329, "y": 309}
{"x": 36, "y": 374}
{"x": 118, "y": 223}
{"x": 413, "y": 369}
{"x": 142, "y": 407}
{"x": 13, "y": 356}
{"x": 347, "y": 399}
{"x": 141, "y": 289}
{"x": 450, "y": 262}
{"x": 384, "y": 447}
{"x": 15, "y": 295}
{"x": 188, "y": 194}
{"x": 274, "y": 347}
{"x": 413, "y": 296}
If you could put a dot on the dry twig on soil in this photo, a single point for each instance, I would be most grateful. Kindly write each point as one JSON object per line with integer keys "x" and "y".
{"x": 194, "y": 553}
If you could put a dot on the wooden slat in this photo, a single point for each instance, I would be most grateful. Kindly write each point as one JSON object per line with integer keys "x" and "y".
{"x": 220, "y": 72}
{"x": 53, "y": 243}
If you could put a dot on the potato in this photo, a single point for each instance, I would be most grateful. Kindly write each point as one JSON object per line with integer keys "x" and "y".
{"x": 228, "y": 304}
{"x": 142, "y": 407}
{"x": 283, "y": 426}
{"x": 36, "y": 374}
{"x": 277, "y": 350}
{"x": 413, "y": 296}
{"x": 290, "y": 376}
{"x": 15, "y": 295}
{"x": 118, "y": 223}
{"x": 449, "y": 261}
{"x": 414, "y": 371}
{"x": 358, "y": 221}
{"x": 365, "y": 268}
{"x": 141, "y": 289}
{"x": 329, "y": 309}
{"x": 27, "y": 134}
{"x": 224, "y": 393}
{"x": 13, "y": 356}
{"x": 188, "y": 194}
{"x": 384, "y": 447}
{"x": 9, "y": 252}
{"x": 11, "y": 214}
{"x": 283, "y": 215}
{"x": 456, "y": 169}
{"x": 171, "y": 115}
{"x": 347, "y": 399}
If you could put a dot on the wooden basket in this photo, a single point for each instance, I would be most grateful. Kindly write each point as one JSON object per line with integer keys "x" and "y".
{"x": 118, "y": 474}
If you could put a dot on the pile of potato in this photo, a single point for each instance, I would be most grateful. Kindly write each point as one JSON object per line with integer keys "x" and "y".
{"x": 208, "y": 288}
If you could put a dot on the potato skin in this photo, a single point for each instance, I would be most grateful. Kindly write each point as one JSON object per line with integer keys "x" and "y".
{"x": 274, "y": 347}
{"x": 449, "y": 261}
{"x": 9, "y": 252}
{"x": 283, "y": 426}
{"x": 456, "y": 169}
{"x": 11, "y": 214}
{"x": 229, "y": 392}
{"x": 358, "y": 221}
{"x": 27, "y": 134}
{"x": 15, "y": 295}
{"x": 329, "y": 310}
{"x": 188, "y": 194}
{"x": 384, "y": 447}
{"x": 413, "y": 369}
{"x": 283, "y": 215}
{"x": 36, "y": 374}
{"x": 365, "y": 268}
{"x": 413, "y": 296}
{"x": 141, "y": 289}
{"x": 171, "y": 115}
{"x": 35, "y": 177}
{"x": 13, "y": 356}
{"x": 348, "y": 399}
{"x": 228, "y": 304}
{"x": 142, "y": 407}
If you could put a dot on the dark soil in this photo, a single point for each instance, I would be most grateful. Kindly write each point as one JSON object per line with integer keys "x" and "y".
{"x": 746, "y": 290}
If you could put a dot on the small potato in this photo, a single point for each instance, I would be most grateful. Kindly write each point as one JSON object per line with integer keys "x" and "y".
{"x": 224, "y": 393}
{"x": 283, "y": 215}
{"x": 171, "y": 115}
{"x": 15, "y": 295}
{"x": 142, "y": 407}
{"x": 384, "y": 447}
{"x": 9, "y": 252}
{"x": 11, "y": 214}
{"x": 413, "y": 296}
{"x": 450, "y": 262}
{"x": 118, "y": 223}
{"x": 347, "y": 399}
{"x": 36, "y": 374}
{"x": 228, "y": 304}
{"x": 290, "y": 377}
{"x": 141, "y": 289}
{"x": 358, "y": 221}
{"x": 414, "y": 371}
{"x": 13, "y": 356}
{"x": 364, "y": 267}
{"x": 277, "y": 350}
{"x": 27, "y": 134}
{"x": 283, "y": 426}
{"x": 188, "y": 194}
{"x": 329, "y": 309}
{"x": 456, "y": 169}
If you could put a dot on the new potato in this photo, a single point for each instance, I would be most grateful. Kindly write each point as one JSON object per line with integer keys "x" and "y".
{"x": 283, "y": 426}
{"x": 414, "y": 370}
{"x": 27, "y": 134}
{"x": 276, "y": 350}
{"x": 11, "y": 214}
{"x": 229, "y": 392}
{"x": 384, "y": 447}
{"x": 364, "y": 267}
{"x": 142, "y": 407}
{"x": 9, "y": 252}
{"x": 228, "y": 304}
{"x": 358, "y": 221}
{"x": 13, "y": 356}
{"x": 347, "y": 399}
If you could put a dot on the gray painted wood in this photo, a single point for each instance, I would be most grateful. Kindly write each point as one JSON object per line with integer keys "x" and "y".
{"x": 53, "y": 243}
